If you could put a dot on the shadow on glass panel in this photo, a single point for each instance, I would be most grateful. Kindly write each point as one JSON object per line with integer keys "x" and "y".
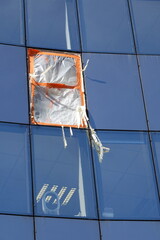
{"x": 113, "y": 92}
{"x": 125, "y": 179}
{"x": 62, "y": 176}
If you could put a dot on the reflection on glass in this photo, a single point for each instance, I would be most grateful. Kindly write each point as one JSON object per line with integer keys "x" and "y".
{"x": 51, "y": 203}
{"x": 126, "y": 183}
{"x": 146, "y": 21}
{"x": 52, "y": 24}
{"x": 63, "y": 179}
{"x": 15, "y": 186}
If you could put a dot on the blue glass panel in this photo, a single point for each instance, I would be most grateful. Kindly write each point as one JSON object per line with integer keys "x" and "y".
{"x": 52, "y": 24}
{"x": 150, "y": 72}
{"x": 15, "y": 187}
{"x": 60, "y": 229}
{"x": 13, "y": 96}
{"x": 16, "y": 227}
{"x": 156, "y": 148}
{"x": 126, "y": 182}
{"x": 105, "y": 26}
{"x": 11, "y": 22}
{"x": 114, "y": 92}
{"x": 130, "y": 230}
{"x": 63, "y": 179}
{"x": 146, "y": 21}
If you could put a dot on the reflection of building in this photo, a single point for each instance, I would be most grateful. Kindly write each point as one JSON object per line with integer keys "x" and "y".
{"x": 48, "y": 191}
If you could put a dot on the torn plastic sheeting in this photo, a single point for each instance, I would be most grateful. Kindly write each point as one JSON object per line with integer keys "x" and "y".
{"x": 97, "y": 144}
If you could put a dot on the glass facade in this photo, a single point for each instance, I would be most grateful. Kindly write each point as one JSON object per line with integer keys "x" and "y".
{"x": 108, "y": 29}
{"x": 52, "y": 24}
{"x": 66, "y": 173}
{"x": 125, "y": 179}
{"x": 146, "y": 22}
{"x": 54, "y": 183}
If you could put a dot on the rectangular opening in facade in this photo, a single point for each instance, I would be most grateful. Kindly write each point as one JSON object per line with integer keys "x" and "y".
{"x": 56, "y": 89}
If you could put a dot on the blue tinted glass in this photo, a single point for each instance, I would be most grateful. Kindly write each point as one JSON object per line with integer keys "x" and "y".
{"x": 15, "y": 187}
{"x": 11, "y": 22}
{"x": 130, "y": 230}
{"x": 13, "y": 96}
{"x": 52, "y": 24}
{"x": 16, "y": 227}
{"x": 126, "y": 183}
{"x": 63, "y": 181}
{"x": 60, "y": 229}
{"x": 114, "y": 92}
{"x": 156, "y": 147}
{"x": 150, "y": 73}
{"x": 146, "y": 21}
{"x": 105, "y": 26}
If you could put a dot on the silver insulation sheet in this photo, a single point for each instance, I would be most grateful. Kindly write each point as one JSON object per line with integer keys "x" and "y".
{"x": 56, "y": 105}
{"x": 55, "y": 69}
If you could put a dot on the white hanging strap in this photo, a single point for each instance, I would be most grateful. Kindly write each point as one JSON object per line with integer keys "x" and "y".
{"x": 71, "y": 132}
{"x": 81, "y": 115}
{"x": 85, "y": 67}
{"x": 98, "y": 145}
{"x": 64, "y": 137}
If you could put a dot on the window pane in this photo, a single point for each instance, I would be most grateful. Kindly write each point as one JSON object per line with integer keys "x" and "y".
{"x": 126, "y": 183}
{"x": 11, "y": 22}
{"x": 114, "y": 92}
{"x": 105, "y": 26}
{"x": 146, "y": 19}
{"x": 13, "y": 96}
{"x": 63, "y": 179}
{"x": 150, "y": 73}
{"x": 156, "y": 148}
{"x": 61, "y": 229}
{"x": 52, "y": 24}
{"x": 130, "y": 230}
{"x": 13, "y": 227}
{"x": 15, "y": 187}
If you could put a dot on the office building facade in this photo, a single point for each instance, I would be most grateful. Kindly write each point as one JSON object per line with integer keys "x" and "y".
{"x": 53, "y": 182}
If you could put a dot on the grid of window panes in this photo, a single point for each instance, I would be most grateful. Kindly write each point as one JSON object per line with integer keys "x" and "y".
{"x": 48, "y": 191}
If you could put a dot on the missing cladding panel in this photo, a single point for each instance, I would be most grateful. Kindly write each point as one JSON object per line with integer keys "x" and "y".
{"x": 56, "y": 89}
